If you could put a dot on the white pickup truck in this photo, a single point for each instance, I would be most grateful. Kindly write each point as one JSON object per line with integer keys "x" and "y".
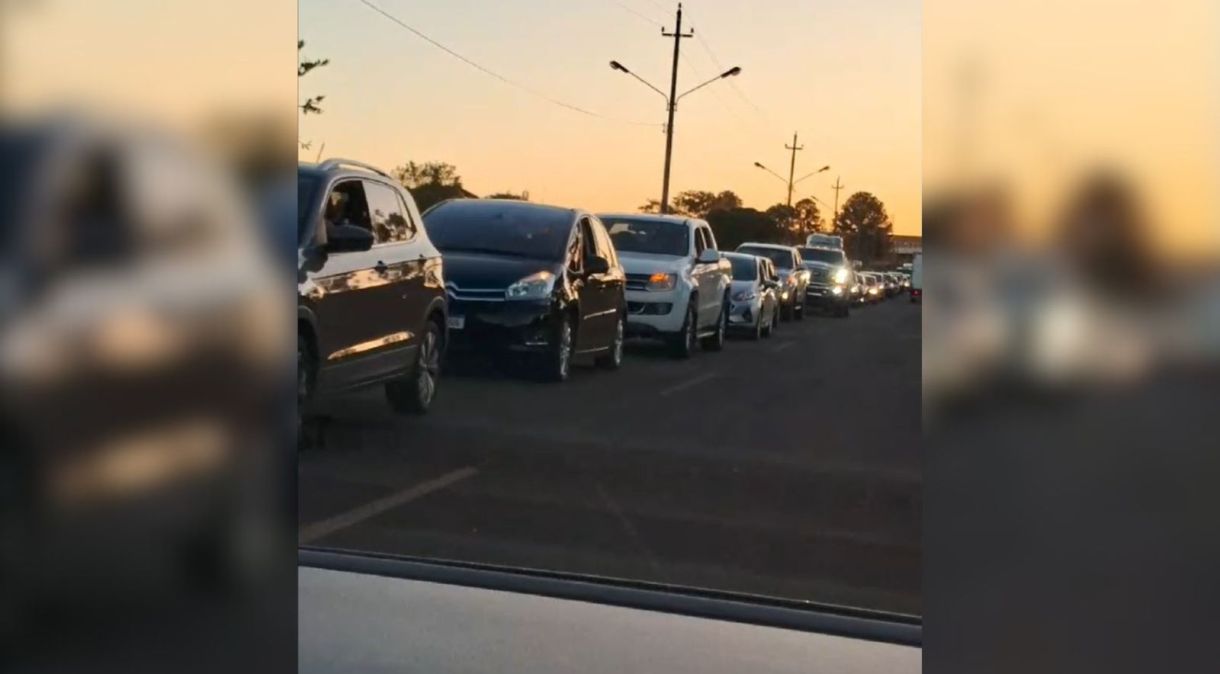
{"x": 677, "y": 281}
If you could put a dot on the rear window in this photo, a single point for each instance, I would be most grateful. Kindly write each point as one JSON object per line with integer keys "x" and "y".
{"x": 782, "y": 258}
{"x": 744, "y": 269}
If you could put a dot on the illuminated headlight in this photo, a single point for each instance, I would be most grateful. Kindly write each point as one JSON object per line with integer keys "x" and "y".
{"x": 838, "y": 290}
{"x": 662, "y": 281}
{"x": 872, "y": 291}
{"x": 840, "y": 276}
{"x": 785, "y": 295}
{"x": 533, "y": 287}
{"x": 745, "y": 296}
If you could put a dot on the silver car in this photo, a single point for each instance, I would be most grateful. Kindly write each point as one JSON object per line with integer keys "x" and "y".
{"x": 753, "y": 296}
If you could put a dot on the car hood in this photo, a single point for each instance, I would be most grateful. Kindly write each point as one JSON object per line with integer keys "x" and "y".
{"x": 648, "y": 263}
{"x": 479, "y": 271}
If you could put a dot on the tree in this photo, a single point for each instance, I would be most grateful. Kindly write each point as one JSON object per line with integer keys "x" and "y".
{"x": 736, "y": 226}
{"x": 430, "y": 182}
{"x": 696, "y": 203}
{"x": 808, "y": 218}
{"x": 865, "y": 227}
{"x": 304, "y": 66}
{"x": 523, "y": 196}
{"x": 785, "y": 222}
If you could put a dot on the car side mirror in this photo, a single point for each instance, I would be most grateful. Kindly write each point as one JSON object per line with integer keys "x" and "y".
{"x": 597, "y": 265}
{"x": 708, "y": 256}
{"x": 348, "y": 239}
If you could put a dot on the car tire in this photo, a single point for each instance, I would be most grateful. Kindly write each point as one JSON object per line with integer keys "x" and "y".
{"x": 759, "y": 330}
{"x": 415, "y": 394}
{"x": 716, "y": 342}
{"x": 557, "y": 361}
{"x": 798, "y": 310}
{"x": 682, "y": 345}
{"x": 614, "y": 359}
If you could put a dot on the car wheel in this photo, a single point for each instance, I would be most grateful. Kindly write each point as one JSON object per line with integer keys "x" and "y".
{"x": 760, "y": 330}
{"x": 557, "y": 362}
{"x": 683, "y": 344}
{"x": 614, "y": 359}
{"x": 415, "y": 394}
{"x": 716, "y": 341}
{"x": 798, "y": 310}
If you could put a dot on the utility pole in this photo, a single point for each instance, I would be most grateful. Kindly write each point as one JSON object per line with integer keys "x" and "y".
{"x": 792, "y": 166}
{"x": 677, "y": 35}
{"x": 836, "y": 187}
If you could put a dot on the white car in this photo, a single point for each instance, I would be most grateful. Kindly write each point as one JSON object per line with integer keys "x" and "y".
{"x": 677, "y": 281}
{"x": 793, "y": 277}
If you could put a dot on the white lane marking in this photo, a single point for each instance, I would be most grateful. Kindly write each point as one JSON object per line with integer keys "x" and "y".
{"x": 781, "y": 346}
{"x": 326, "y": 527}
{"x": 695, "y": 381}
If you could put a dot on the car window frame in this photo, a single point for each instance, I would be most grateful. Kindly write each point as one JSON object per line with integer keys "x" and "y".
{"x": 574, "y": 237}
{"x": 406, "y": 215}
{"x": 320, "y": 224}
{"x": 601, "y": 239}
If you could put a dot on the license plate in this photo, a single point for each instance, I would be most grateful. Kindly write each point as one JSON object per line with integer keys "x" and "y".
{"x": 457, "y": 322}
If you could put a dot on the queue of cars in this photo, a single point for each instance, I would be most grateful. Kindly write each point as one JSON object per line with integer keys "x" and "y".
{"x": 386, "y": 293}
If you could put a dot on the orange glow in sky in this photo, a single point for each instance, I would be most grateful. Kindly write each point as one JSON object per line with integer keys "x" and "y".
{"x": 844, "y": 74}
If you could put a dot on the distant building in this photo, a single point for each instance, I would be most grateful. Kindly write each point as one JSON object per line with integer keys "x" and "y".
{"x": 906, "y": 247}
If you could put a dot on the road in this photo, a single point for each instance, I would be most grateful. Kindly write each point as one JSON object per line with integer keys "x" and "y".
{"x": 788, "y": 467}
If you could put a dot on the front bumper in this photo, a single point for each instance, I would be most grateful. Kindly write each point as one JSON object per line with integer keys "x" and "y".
{"x": 653, "y": 313}
{"x": 744, "y": 314}
{"x": 527, "y": 326}
{"x": 826, "y": 296}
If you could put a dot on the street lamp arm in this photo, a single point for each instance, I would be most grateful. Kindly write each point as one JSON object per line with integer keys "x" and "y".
{"x": 781, "y": 178}
{"x": 821, "y": 170}
{"x": 615, "y": 65}
{"x": 728, "y": 73}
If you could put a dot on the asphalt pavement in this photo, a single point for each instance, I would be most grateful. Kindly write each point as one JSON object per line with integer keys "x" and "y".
{"x": 788, "y": 466}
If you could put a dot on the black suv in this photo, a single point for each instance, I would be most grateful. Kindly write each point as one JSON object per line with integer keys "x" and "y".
{"x": 370, "y": 289}
{"x": 537, "y": 280}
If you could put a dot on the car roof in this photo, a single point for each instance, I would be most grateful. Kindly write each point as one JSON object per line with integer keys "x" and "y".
{"x": 651, "y": 217}
{"x": 490, "y": 207}
{"x": 771, "y": 246}
{"x": 743, "y": 256}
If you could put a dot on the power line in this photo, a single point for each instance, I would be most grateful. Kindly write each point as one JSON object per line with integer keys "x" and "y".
{"x": 498, "y": 76}
{"x": 638, "y": 13}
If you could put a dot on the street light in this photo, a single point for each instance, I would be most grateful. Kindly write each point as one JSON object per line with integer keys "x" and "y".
{"x": 671, "y": 105}
{"x": 788, "y": 181}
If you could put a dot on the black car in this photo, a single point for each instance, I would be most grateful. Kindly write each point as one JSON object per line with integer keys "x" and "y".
{"x": 535, "y": 280}
{"x": 830, "y": 279}
{"x": 370, "y": 288}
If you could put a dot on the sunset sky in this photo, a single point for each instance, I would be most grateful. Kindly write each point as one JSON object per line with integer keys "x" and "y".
{"x": 845, "y": 74}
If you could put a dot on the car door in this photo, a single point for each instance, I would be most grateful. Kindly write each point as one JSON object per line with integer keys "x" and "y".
{"x": 349, "y": 296}
{"x": 704, "y": 275}
{"x": 610, "y": 285}
{"x": 400, "y": 261}
{"x": 721, "y": 273}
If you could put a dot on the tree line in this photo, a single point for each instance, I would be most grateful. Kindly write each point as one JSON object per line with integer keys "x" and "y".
{"x": 863, "y": 221}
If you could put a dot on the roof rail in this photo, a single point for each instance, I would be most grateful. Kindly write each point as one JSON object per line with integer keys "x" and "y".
{"x": 337, "y": 162}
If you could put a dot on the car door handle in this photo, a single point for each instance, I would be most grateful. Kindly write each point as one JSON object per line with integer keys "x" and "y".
{"x": 381, "y": 268}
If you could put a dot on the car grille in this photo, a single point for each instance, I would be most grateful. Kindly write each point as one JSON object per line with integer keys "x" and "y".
{"x": 818, "y": 274}
{"x": 649, "y": 308}
{"x": 637, "y": 281}
{"x": 474, "y": 294}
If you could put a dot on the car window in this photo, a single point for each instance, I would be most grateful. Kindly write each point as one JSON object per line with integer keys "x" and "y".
{"x": 605, "y": 247}
{"x": 389, "y": 220}
{"x": 346, "y": 205}
{"x": 700, "y": 242}
{"x": 588, "y": 241}
{"x": 709, "y": 237}
{"x": 576, "y": 251}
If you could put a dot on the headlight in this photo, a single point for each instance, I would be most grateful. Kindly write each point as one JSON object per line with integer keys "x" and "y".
{"x": 662, "y": 281}
{"x": 533, "y": 287}
{"x": 840, "y": 276}
{"x": 838, "y": 290}
{"x": 745, "y": 296}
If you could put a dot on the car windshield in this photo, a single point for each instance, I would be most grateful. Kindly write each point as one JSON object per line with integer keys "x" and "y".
{"x": 657, "y": 237}
{"x": 828, "y": 255}
{"x": 744, "y": 268}
{"x": 781, "y": 257}
{"x": 473, "y": 226}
